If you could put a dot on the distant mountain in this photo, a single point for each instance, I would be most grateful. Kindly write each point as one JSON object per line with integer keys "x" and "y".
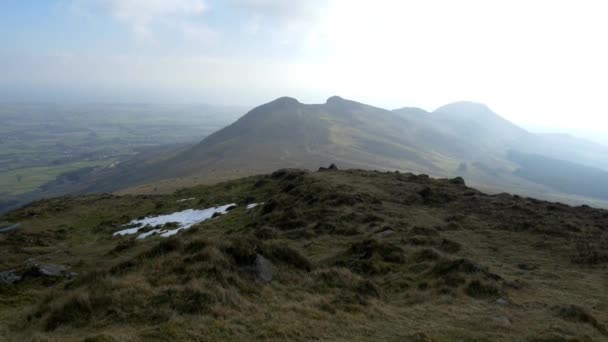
{"x": 464, "y": 138}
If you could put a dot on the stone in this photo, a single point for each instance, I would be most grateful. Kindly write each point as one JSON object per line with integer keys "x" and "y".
{"x": 48, "y": 270}
{"x": 502, "y": 301}
{"x": 52, "y": 270}
{"x": 259, "y": 268}
{"x": 527, "y": 267}
{"x": 385, "y": 232}
{"x": 262, "y": 269}
{"x": 331, "y": 167}
{"x": 458, "y": 181}
{"x": 9, "y": 277}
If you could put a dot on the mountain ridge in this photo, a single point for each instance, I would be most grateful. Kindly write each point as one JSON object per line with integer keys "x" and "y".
{"x": 459, "y": 139}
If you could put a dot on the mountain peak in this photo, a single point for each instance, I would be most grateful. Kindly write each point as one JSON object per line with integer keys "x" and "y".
{"x": 285, "y": 100}
{"x": 465, "y": 107}
{"x": 335, "y": 100}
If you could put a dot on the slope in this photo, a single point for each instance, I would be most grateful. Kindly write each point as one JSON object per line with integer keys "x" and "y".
{"x": 334, "y": 255}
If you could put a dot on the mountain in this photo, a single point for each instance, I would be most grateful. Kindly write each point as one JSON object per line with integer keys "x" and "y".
{"x": 459, "y": 139}
{"x": 456, "y": 137}
{"x": 296, "y": 255}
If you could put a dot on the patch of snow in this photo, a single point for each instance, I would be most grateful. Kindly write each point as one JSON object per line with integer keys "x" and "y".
{"x": 253, "y": 205}
{"x": 184, "y": 219}
{"x": 149, "y": 233}
{"x": 186, "y": 200}
{"x": 127, "y": 231}
{"x": 9, "y": 228}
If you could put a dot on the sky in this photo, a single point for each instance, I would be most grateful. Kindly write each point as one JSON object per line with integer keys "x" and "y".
{"x": 539, "y": 63}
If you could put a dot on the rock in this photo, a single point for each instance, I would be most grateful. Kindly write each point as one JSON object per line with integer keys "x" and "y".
{"x": 331, "y": 167}
{"x": 48, "y": 270}
{"x": 384, "y": 233}
{"x": 9, "y": 277}
{"x": 261, "y": 269}
{"x": 502, "y": 301}
{"x": 527, "y": 267}
{"x": 52, "y": 270}
{"x": 458, "y": 181}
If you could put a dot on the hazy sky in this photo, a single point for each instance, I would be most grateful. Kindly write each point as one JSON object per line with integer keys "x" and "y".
{"x": 536, "y": 62}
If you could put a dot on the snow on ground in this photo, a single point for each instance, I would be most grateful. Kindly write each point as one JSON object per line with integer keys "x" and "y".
{"x": 185, "y": 200}
{"x": 253, "y": 205}
{"x": 9, "y": 228}
{"x": 184, "y": 219}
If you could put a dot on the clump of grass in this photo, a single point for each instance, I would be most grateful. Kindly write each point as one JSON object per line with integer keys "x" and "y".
{"x": 345, "y": 290}
{"x": 100, "y": 338}
{"x": 164, "y": 247}
{"x": 371, "y": 256}
{"x": 124, "y": 245}
{"x": 449, "y": 246}
{"x": 243, "y": 250}
{"x": 287, "y": 255}
{"x": 265, "y": 233}
{"x": 587, "y": 252}
{"x": 426, "y": 254}
{"x": 575, "y": 313}
{"x": 482, "y": 290}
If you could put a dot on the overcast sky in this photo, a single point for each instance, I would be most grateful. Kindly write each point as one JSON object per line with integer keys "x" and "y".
{"x": 541, "y": 63}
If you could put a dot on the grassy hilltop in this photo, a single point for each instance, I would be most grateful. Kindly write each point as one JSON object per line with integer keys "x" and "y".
{"x": 332, "y": 255}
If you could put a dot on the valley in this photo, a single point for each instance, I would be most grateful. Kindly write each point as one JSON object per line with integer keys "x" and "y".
{"x": 45, "y": 142}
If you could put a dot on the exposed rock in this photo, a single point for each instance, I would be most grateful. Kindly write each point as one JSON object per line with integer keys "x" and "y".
{"x": 261, "y": 269}
{"x": 384, "y": 233}
{"x": 575, "y": 313}
{"x": 502, "y": 301}
{"x": 458, "y": 181}
{"x": 48, "y": 270}
{"x": 9, "y": 277}
{"x": 527, "y": 267}
{"x": 331, "y": 167}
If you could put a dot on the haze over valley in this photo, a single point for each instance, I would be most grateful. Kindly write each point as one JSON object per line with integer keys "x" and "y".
{"x": 328, "y": 170}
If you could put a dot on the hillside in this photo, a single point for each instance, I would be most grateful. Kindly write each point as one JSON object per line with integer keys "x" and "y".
{"x": 459, "y": 139}
{"x": 329, "y": 255}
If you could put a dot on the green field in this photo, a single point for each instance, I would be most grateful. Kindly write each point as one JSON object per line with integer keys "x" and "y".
{"x": 39, "y": 142}
{"x": 22, "y": 181}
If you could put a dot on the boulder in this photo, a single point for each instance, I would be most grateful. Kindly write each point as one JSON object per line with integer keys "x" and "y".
{"x": 458, "y": 181}
{"x": 48, "y": 271}
{"x": 331, "y": 167}
{"x": 9, "y": 277}
{"x": 260, "y": 269}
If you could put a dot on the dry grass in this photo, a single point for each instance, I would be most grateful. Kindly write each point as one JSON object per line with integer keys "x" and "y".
{"x": 356, "y": 256}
